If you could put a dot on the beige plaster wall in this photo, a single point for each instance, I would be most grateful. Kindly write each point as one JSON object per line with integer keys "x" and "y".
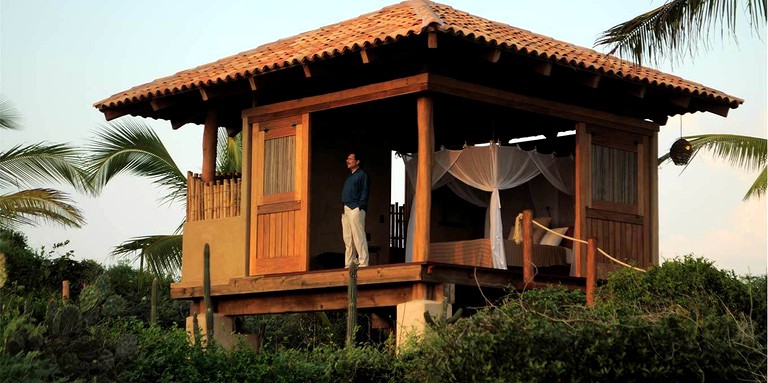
{"x": 226, "y": 237}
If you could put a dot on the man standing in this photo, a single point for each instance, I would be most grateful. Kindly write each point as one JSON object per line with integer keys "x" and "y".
{"x": 354, "y": 196}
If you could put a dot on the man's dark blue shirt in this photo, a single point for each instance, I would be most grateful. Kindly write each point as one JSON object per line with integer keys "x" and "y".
{"x": 355, "y": 192}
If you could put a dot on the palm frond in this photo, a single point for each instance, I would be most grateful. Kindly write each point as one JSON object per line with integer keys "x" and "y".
{"x": 130, "y": 146}
{"x": 678, "y": 28}
{"x": 32, "y": 165}
{"x": 745, "y": 152}
{"x": 757, "y": 190}
{"x": 162, "y": 253}
{"x": 27, "y": 206}
{"x": 9, "y": 116}
{"x": 230, "y": 153}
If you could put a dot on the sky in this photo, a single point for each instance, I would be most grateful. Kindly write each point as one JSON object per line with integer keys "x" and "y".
{"x": 59, "y": 57}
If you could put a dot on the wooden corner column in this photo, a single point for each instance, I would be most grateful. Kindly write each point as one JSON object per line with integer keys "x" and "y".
{"x": 209, "y": 146}
{"x": 423, "y": 197}
{"x": 583, "y": 195}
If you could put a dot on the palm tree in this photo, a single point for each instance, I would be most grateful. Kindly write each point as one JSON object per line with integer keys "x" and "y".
{"x": 678, "y": 28}
{"x": 24, "y": 166}
{"x": 131, "y": 146}
{"x": 748, "y": 153}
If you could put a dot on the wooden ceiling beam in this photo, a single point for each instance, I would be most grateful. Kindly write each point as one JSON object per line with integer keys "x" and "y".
{"x": 720, "y": 110}
{"x": 253, "y": 83}
{"x": 364, "y": 56}
{"x": 636, "y": 90}
{"x": 112, "y": 114}
{"x": 194, "y": 118}
{"x": 307, "y": 72}
{"x": 680, "y": 101}
{"x": 204, "y": 94}
{"x": 537, "y": 105}
{"x": 366, "y": 93}
{"x": 432, "y": 40}
{"x": 162, "y": 103}
{"x": 589, "y": 80}
{"x": 542, "y": 67}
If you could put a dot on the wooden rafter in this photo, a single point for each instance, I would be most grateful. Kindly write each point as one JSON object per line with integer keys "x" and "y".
{"x": 543, "y": 68}
{"x": 112, "y": 114}
{"x": 162, "y": 103}
{"x": 432, "y": 40}
{"x": 494, "y": 55}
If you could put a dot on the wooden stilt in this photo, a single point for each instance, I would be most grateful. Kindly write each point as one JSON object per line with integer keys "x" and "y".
{"x": 591, "y": 270}
{"x": 65, "y": 290}
{"x": 528, "y": 247}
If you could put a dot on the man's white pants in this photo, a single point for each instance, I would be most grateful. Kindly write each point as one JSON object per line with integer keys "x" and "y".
{"x": 353, "y": 229}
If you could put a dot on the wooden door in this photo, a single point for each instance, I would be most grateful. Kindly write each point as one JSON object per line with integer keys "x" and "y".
{"x": 279, "y": 227}
{"x": 613, "y": 174}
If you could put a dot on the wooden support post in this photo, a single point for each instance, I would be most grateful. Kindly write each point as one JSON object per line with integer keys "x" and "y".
{"x": 209, "y": 146}
{"x": 65, "y": 290}
{"x": 420, "y": 291}
{"x": 527, "y": 246}
{"x": 653, "y": 197}
{"x": 207, "y": 292}
{"x": 352, "y": 308}
{"x": 583, "y": 193}
{"x": 423, "y": 197}
{"x": 591, "y": 270}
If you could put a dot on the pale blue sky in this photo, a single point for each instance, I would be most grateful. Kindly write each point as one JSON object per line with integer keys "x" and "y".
{"x": 58, "y": 57}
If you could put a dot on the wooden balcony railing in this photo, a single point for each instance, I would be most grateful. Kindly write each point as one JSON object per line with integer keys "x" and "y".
{"x": 216, "y": 199}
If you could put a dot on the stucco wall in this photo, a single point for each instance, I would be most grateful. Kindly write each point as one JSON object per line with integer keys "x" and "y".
{"x": 226, "y": 237}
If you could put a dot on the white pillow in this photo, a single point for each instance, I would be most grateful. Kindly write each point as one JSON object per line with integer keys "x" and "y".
{"x": 550, "y": 239}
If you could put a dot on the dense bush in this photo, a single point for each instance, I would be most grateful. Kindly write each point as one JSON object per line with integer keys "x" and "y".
{"x": 683, "y": 321}
{"x": 40, "y": 273}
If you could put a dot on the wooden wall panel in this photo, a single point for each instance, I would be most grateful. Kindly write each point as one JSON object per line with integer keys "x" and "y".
{"x": 621, "y": 240}
{"x": 277, "y": 235}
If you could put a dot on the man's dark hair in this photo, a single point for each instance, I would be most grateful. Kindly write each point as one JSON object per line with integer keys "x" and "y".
{"x": 358, "y": 157}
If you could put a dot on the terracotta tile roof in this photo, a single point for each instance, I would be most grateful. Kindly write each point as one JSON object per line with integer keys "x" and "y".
{"x": 392, "y": 23}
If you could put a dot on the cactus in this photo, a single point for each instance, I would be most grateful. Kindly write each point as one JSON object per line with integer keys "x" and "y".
{"x": 69, "y": 320}
{"x": 352, "y": 297}
{"x": 90, "y": 298}
{"x": 195, "y": 329}
{"x": 207, "y": 292}
{"x": 441, "y": 318}
{"x": 153, "y": 303}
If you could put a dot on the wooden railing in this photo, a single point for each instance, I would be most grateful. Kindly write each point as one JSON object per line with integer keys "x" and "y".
{"x": 397, "y": 226}
{"x": 216, "y": 199}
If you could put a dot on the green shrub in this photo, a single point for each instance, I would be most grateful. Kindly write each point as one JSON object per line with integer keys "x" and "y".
{"x": 682, "y": 321}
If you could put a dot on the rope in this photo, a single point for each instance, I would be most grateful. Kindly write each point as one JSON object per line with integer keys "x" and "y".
{"x": 519, "y": 237}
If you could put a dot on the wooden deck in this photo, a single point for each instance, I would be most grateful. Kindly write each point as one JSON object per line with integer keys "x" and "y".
{"x": 378, "y": 286}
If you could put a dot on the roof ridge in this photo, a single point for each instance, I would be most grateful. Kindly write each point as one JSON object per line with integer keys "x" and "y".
{"x": 424, "y": 9}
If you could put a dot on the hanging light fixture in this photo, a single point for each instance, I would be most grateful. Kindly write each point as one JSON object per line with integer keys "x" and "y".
{"x": 681, "y": 150}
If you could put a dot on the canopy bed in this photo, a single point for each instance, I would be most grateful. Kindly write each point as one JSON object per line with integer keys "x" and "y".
{"x": 475, "y": 171}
